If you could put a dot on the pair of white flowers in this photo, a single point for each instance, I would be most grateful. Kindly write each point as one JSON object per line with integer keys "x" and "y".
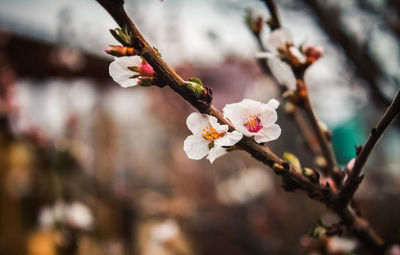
{"x": 249, "y": 117}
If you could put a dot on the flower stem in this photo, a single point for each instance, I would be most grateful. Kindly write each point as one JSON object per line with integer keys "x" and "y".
{"x": 331, "y": 168}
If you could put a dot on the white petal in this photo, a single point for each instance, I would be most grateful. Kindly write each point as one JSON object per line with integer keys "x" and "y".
{"x": 273, "y": 103}
{"x": 278, "y": 39}
{"x": 268, "y": 116}
{"x": 118, "y": 72}
{"x": 234, "y": 113}
{"x": 229, "y": 139}
{"x": 282, "y": 72}
{"x": 128, "y": 61}
{"x": 251, "y": 104}
{"x": 268, "y": 134}
{"x": 215, "y": 153}
{"x": 195, "y": 146}
{"x": 265, "y": 55}
{"x": 296, "y": 52}
{"x": 237, "y": 113}
{"x": 129, "y": 82}
{"x": 196, "y": 122}
{"x": 214, "y": 123}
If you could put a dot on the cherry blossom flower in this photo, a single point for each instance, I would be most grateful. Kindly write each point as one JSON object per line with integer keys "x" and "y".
{"x": 278, "y": 44}
{"x": 209, "y": 137}
{"x": 253, "y": 118}
{"x": 129, "y": 71}
{"x": 283, "y": 57}
{"x": 244, "y": 187}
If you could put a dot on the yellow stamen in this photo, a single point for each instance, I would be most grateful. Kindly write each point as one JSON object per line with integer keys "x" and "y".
{"x": 211, "y": 134}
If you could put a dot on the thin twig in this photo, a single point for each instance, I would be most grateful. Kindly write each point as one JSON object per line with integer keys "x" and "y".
{"x": 295, "y": 115}
{"x": 326, "y": 147}
{"x": 310, "y": 139}
{"x": 355, "y": 177}
{"x": 273, "y": 10}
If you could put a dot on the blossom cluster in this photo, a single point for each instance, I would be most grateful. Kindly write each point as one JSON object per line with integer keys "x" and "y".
{"x": 249, "y": 118}
{"x": 209, "y": 138}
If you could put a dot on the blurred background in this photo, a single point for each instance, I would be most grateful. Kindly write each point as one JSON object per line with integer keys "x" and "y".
{"x": 87, "y": 167}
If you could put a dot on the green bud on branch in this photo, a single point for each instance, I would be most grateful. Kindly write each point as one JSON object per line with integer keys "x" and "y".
{"x": 195, "y": 86}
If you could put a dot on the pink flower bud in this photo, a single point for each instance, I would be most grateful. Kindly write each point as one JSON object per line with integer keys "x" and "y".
{"x": 120, "y": 51}
{"x": 146, "y": 70}
{"x": 350, "y": 165}
{"x": 313, "y": 53}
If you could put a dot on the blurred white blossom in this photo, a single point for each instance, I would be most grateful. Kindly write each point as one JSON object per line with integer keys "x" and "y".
{"x": 74, "y": 214}
{"x": 248, "y": 185}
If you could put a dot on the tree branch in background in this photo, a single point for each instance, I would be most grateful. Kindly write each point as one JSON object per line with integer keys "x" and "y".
{"x": 354, "y": 178}
{"x": 293, "y": 113}
{"x": 293, "y": 178}
{"x": 331, "y": 168}
{"x": 275, "y": 21}
{"x": 325, "y": 145}
{"x": 366, "y": 67}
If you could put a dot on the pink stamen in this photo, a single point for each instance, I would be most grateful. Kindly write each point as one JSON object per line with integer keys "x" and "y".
{"x": 253, "y": 124}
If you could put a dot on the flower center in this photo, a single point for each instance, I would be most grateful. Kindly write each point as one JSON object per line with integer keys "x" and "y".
{"x": 211, "y": 134}
{"x": 253, "y": 123}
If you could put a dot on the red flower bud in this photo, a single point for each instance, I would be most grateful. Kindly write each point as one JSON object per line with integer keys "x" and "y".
{"x": 120, "y": 51}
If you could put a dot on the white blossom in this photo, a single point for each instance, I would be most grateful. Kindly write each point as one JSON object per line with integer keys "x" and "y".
{"x": 78, "y": 215}
{"x": 244, "y": 187}
{"x": 341, "y": 245}
{"x": 282, "y": 56}
{"x": 129, "y": 71}
{"x": 167, "y": 230}
{"x": 209, "y": 137}
{"x": 253, "y": 118}
{"x": 279, "y": 41}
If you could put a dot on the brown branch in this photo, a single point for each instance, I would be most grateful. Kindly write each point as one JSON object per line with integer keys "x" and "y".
{"x": 292, "y": 178}
{"x": 361, "y": 228}
{"x": 309, "y": 137}
{"x": 354, "y": 178}
{"x": 273, "y": 10}
{"x": 331, "y": 168}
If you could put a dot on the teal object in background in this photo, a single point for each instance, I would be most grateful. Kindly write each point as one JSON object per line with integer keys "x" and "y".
{"x": 346, "y": 136}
